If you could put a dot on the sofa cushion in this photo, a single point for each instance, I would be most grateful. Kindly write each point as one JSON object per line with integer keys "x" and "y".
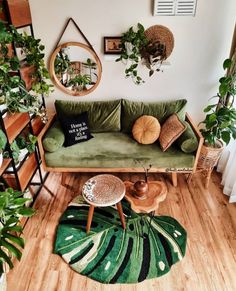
{"x": 75, "y": 128}
{"x": 117, "y": 150}
{"x": 131, "y": 110}
{"x": 188, "y": 142}
{"x": 54, "y": 138}
{"x": 170, "y": 131}
{"x": 146, "y": 129}
{"x": 103, "y": 116}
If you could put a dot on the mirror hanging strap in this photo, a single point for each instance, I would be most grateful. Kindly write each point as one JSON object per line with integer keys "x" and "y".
{"x": 79, "y": 30}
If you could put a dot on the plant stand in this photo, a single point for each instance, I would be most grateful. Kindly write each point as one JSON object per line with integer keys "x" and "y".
{"x": 208, "y": 158}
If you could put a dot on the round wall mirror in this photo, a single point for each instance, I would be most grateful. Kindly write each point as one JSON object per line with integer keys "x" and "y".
{"x": 75, "y": 68}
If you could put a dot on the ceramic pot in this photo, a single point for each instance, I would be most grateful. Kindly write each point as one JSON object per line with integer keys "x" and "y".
{"x": 141, "y": 188}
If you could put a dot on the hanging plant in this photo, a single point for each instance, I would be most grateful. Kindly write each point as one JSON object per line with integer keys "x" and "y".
{"x": 33, "y": 50}
{"x": 12, "y": 87}
{"x": 147, "y": 47}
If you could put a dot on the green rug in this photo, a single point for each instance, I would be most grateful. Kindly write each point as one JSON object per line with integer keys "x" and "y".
{"x": 110, "y": 255}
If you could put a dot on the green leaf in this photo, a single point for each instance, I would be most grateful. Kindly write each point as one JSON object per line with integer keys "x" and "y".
{"x": 26, "y": 211}
{"x": 209, "y": 107}
{"x": 141, "y": 27}
{"x": 17, "y": 228}
{"x": 11, "y": 248}
{"x": 6, "y": 258}
{"x": 15, "y": 239}
{"x": 223, "y": 89}
{"x": 20, "y": 201}
{"x": 12, "y": 221}
{"x": 227, "y": 64}
{"x": 225, "y": 124}
{"x": 212, "y": 117}
{"x": 225, "y": 136}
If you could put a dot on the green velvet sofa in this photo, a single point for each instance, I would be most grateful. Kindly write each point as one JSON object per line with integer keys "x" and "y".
{"x": 113, "y": 148}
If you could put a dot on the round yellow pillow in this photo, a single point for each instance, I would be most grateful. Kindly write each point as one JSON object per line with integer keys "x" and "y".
{"x": 146, "y": 129}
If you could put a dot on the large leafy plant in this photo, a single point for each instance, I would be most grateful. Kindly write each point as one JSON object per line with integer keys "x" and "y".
{"x": 12, "y": 208}
{"x": 137, "y": 48}
{"x": 12, "y": 87}
{"x": 219, "y": 123}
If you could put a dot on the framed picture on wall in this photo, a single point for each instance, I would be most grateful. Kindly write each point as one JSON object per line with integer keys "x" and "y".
{"x": 25, "y": 29}
{"x": 112, "y": 45}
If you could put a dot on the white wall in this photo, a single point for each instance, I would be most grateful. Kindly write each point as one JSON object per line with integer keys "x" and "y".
{"x": 201, "y": 44}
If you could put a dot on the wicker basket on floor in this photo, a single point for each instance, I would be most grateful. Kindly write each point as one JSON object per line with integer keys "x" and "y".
{"x": 209, "y": 156}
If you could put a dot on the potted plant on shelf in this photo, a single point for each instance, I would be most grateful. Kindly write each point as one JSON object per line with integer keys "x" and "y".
{"x": 79, "y": 82}
{"x": 20, "y": 148}
{"x": 220, "y": 120}
{"x": 13, "y": 88}
{"x": 15, "y": 155}
{"x": 145, "y": 47}
{"x": 3, "y": 142}
{"x": 12, "y": 208}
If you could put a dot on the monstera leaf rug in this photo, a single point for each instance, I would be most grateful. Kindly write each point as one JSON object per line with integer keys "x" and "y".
{"x": 109, "y": 254}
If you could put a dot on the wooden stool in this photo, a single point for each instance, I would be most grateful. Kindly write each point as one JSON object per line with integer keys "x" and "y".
{"x": 156, "y": 193}
{"x": 102, "y": 191}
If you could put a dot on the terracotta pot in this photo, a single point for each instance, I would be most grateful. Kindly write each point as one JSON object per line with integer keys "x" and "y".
{"x": 141, "y": 188}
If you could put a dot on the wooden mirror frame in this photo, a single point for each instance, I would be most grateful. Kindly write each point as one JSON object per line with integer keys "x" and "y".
{"x": 58, "y": 83}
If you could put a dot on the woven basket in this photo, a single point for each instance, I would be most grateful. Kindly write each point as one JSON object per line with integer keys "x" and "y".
{"x": 209, "y": 156}
{"x": 163, "y": 34}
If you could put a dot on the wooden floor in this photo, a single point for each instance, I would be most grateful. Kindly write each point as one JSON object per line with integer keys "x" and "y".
{"x": 209, "y": 264}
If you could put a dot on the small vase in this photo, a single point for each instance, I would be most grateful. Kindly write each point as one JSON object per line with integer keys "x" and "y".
{"x": 141, "y": 188}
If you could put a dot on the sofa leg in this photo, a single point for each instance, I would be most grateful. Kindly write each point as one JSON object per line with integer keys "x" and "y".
{"x": 174, "y": 179}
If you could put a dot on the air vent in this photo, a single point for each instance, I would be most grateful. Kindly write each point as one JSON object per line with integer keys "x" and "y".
{"x": 185, "y": 7}
{"x": 164, "y": 7}
{"x": 174, "y": 7}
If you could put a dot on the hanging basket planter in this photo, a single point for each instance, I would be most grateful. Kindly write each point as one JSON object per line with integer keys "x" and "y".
{"x": 146, "y": 47}
{"x": 162, "y": 34}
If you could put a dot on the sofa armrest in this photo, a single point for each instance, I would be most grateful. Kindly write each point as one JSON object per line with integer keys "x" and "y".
{"x": 199, "y": 137}
{"x": 51, "y": 120}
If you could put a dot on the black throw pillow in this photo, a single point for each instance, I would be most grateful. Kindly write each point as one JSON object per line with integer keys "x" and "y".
{"x": 75, "y": 128}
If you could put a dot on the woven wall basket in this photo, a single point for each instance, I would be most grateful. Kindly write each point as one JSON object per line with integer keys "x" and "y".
{"x": 162, "y": 34}
{"x": 209, "y": 156}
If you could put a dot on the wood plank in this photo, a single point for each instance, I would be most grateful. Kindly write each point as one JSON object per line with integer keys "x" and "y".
{"x": 19, "y": 11}
{"x": 207, "y": 216}
{"x": 24, "y": 173}
{"x": 14, "y": 124}
{"x": 37, "y": 125}
{"x": 5, "y": 164}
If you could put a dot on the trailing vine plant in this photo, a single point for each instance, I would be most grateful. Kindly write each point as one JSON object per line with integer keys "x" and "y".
{"x": 12, "y": 87}
{"x": 137, "y": 48}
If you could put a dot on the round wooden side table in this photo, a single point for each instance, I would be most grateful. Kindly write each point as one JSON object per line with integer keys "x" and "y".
{"x": 102, "y": 191}
{"x": 156, "y": 193}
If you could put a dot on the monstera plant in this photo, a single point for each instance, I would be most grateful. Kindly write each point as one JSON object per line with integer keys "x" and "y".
{"x": 12, "y": 208}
